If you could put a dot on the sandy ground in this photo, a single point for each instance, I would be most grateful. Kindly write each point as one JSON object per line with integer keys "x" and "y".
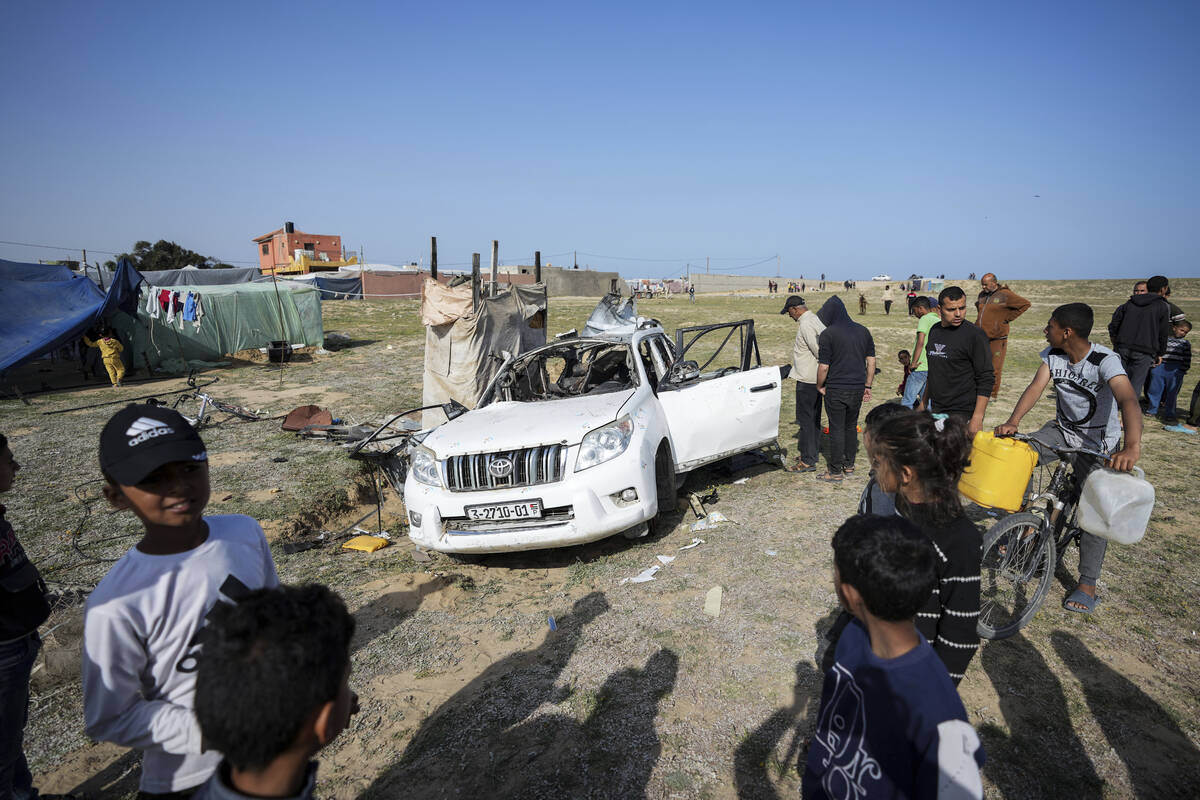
{"x": 467, "y": 691}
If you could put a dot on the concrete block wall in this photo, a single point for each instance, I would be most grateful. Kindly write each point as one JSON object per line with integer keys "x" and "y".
{"x": 707, "y": 282}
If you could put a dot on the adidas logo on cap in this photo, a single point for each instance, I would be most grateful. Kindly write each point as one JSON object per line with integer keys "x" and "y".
{"x": 145, "y": 428}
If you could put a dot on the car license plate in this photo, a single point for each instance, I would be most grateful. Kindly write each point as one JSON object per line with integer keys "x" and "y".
{"x": 500, "y": 512}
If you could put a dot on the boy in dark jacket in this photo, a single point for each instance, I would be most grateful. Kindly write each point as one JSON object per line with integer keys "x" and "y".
{"x": 890, "y": 722}
{"x": 23, "y": 608}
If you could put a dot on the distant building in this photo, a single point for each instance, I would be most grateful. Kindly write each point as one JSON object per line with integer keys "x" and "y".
{"x": 288, "y": 250}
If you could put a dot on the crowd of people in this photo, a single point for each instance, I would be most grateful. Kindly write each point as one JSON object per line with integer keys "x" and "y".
{"x": 229, "y": 683}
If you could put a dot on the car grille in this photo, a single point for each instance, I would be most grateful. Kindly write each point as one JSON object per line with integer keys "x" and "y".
{"x": 531, "y": 466}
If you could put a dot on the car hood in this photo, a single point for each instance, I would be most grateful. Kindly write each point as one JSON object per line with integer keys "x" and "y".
{"x": 512, "y": 425}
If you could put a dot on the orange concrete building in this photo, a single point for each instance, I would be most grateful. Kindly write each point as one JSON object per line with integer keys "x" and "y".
{"x": 288, "y": 250}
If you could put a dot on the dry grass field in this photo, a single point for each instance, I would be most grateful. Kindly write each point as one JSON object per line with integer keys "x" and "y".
{"x": 467, "y": 692}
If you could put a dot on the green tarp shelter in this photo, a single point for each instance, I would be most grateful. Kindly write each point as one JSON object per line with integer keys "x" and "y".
{"x": 236, "y": 317}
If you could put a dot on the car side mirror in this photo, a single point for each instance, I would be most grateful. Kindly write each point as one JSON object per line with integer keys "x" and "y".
{"x": 453, "y": 410}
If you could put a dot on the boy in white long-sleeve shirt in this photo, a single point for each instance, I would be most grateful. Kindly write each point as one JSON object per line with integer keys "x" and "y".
{"x": 144, "y": 623}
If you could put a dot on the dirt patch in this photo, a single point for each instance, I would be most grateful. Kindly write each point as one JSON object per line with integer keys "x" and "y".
{"x": 232, "y": 457}
{"x": 296, "y": 395}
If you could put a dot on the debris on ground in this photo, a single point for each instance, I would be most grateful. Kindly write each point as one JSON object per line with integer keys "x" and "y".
{"x": 665, "y": 559}
{"x": 695, "y": 543}
{"x": 712, "y": 602}
{"x": 366, "y": 543}
{"x": 643, "y": 576}
{"x": 710, "y": 521}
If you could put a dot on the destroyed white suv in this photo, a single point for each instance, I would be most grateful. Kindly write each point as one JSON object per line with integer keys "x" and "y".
{"x": 586, "y": 437}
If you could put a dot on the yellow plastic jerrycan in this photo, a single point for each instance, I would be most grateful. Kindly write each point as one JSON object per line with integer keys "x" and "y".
{"x": 999, "y": 472}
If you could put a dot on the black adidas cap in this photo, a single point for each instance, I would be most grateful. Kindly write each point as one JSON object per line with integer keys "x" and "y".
{"x": 141, "y": 438}
{"x": 792, "y": 301}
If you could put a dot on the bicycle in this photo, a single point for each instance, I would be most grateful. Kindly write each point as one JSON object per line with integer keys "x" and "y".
{"x": 1023, "y": 550}
{"x": 206, "y": 402}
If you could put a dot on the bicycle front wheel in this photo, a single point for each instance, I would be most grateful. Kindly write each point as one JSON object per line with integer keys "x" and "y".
{"x": 1015, "y": 574}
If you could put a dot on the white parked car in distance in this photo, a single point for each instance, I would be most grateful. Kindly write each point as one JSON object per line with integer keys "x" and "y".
{"x": 589, "y": 436}
{"x": 882, "y": 278}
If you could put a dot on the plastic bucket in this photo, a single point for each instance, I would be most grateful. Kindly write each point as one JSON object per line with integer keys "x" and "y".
{"x": 999, "y": 472}
{"x": 1116, "y": 505}
{"x": 279, "y": 352}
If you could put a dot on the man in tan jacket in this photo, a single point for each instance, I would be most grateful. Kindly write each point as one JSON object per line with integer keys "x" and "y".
{"x": 804, "y": 370}
{"x": 998, "y": 306}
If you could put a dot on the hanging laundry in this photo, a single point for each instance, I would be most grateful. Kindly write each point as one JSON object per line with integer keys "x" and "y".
{"x": 189, "y": 307}
{"x": 198, "y": 311}
{"x": 164, "y": 300}
{"x": 172, "y": 306}
{"x": 153, "y": 308}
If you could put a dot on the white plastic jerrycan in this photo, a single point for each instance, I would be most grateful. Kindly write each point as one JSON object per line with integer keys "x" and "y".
{"x": 1116, "y": 505}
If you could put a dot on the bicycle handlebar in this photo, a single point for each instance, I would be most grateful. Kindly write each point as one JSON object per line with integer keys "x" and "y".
{"x": 1061, "y": 451}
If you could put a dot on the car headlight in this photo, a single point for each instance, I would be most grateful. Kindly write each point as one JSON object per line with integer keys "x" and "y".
{"x": 424, "y": 467}
{"x": 604, "y": 444}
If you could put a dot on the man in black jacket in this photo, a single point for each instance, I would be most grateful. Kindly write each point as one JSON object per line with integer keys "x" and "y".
{"x": 845, "y": 372}
{"x": 960, "y": 363}
{"x": 1139, "y": 330}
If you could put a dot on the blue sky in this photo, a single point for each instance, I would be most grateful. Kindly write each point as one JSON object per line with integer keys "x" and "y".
{"x": 848, "y": 138}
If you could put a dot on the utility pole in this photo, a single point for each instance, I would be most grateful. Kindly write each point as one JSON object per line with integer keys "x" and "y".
{"x": 537, "y": 266}
{"x": 575, "y": 258}
{"x": 706, "y": 265}
{"x": 778, "y": 265}
{"x": 475, "y": 281}
{"x": 433, "y": 257}
{"x": 495, "y": 264}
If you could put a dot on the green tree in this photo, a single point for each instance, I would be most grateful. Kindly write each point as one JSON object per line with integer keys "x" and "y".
{"x": 162, "y": 254}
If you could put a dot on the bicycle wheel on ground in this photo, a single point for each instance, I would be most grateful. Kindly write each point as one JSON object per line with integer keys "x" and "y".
{"x": 1015, "y": 574}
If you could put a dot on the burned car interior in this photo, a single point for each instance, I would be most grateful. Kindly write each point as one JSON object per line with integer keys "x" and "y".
{"x": 570, "y": 369}
{"x": 712, "y": 351}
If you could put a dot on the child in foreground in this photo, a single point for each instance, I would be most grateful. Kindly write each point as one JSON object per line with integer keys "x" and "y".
{"x": 873, "y": 499}
{"x": 920, "y": 459}
{"x": 273, "y": 689}
{"x": 144, "y": 623}
{"x": 890, "y": 723}
{"x": 23, "y": 608}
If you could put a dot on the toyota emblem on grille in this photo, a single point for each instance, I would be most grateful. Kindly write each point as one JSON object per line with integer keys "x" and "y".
{"x": 500, "y": 467}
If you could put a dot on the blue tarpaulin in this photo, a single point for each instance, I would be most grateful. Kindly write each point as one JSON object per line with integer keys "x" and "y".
{"x": 43, "y": 307}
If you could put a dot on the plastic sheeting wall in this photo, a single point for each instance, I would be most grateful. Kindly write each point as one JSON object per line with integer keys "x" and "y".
{"x": 458, "y": 362}
{"x": 236, "y": 317}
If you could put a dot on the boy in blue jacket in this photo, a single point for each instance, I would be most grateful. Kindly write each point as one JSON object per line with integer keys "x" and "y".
{"x": 890, "y": 722}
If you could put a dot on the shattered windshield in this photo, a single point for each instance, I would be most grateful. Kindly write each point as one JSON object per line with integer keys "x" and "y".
{"x": 568, "y": 370}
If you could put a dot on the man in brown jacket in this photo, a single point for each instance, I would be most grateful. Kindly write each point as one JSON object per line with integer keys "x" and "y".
{"x": 998, "y": 306}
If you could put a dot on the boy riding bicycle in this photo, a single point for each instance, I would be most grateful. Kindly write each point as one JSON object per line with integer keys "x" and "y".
{"x": 1091, "y": 385}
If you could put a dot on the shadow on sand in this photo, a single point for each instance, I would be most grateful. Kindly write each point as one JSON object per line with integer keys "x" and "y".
{"x": 1161, "y": 760}
{"x": 486, "y": 740}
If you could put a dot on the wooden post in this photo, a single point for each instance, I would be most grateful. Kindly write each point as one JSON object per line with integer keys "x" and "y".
{"x": 475, "y": 278}
{"x": 433, "y": 257}
{"x": 495, "y": 265}
{"x": 537, "y": 266}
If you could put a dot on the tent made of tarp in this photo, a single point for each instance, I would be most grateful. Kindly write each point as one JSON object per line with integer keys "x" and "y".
{"x": 461, "y": 339}
{"x": 43, "y": 307}
{"x": 239, "y": 316}
{"x": 333, "y": 285}
{"x": 194, "y": 276}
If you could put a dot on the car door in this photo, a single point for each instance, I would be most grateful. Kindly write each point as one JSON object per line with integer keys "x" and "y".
{"x": 723, "y": 403}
